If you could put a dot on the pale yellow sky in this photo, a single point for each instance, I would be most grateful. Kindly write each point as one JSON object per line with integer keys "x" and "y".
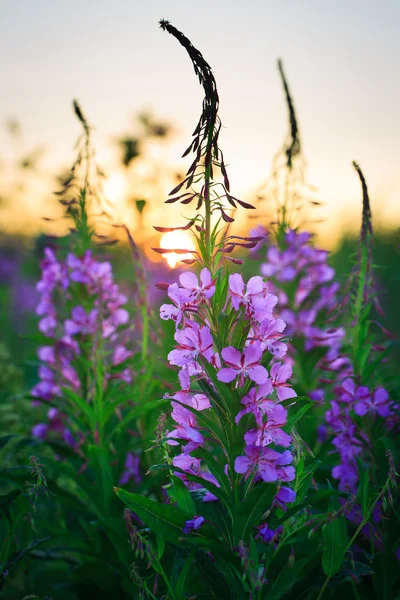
{"x": 341, "y": 58}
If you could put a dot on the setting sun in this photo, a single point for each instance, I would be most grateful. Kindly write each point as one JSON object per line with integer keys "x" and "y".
{"x": 180, "y": 240}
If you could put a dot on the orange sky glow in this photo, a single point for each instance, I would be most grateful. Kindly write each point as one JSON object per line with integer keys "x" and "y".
{"x": 345, "y": 94}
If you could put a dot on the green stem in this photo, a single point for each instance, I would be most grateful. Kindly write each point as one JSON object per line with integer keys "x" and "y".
{"x": 363, "y": 522}
{"x": 167, "y": 583}
{"x": 145, "y": 332}
{"x": 321, "y": 593}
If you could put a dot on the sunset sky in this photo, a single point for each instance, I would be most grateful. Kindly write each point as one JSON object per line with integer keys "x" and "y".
{"x": 341, "y": 58}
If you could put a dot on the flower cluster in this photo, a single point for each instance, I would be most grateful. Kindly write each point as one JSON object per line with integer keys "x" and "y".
{"x": 81, "y": 310}
{"x": 249, "y": 307}
{"x": 350, "y": 438}
{"x": 304, "y": 282}
{"x": 307, "y": 293}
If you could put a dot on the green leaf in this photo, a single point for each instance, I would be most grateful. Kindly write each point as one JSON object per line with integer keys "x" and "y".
{"x": 84, "y": 407}
{"x": 304, "y": 480}
{"x": 310, "y": 501}
{"x": 5, "y": 439}
{"x": 208, "y": 485}
{"x": 213, "y": 578}
{"x": 134, "y": 414}
{"x": 85, "y": 491}
{"x": 214, "y": 467}
{"x": 179, "y": 492}
{"x": 140, "y": 205}
{"x": 163, "y": 519}
{"x": 180, "y": 584}
{"x": 160, "y": 545}
{"x": 249, "y": 512}
{"x": 363, "y": 489}
{"x": 204, "y": 421}
{"x": 286, "y": 579}
{"x": 7, "y": 499}
{"x": 295, "y": 416}
{"x": 100, "y": 460}
{"x": 336, "y": 540}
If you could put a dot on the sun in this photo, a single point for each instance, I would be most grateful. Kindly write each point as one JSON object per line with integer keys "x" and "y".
{"x": 115, "y": 187}
{"x": 181, "y": 240}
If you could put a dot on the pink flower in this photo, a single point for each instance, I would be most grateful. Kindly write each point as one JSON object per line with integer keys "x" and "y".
{"x": 280, "y": 374}
{"x": 243, "y": 365}
{"x": 193, "y": 466}
{"x": 70, "y": 375}
{"x": 268, "y": 334}
{"x": 270, "y": 431}
{"x": 280, "y": 264}
{"x": 243, "y": 295}
{"x": 47, "y": 325}
{"x": 195, "y": 400}
{"x": 258, "y": 304}
{"x": 269, "y": 464}
{"x": 190, "y": 282}
{"x": 186, "y": 429}
{"x": 81, "y": 322}
{"x": 378, "y": 403}
{"x": 182, "y": 302}
{"x": 194, "y": 341}
{"x": 256, "y": 402}
{"x": 120, "y": 354}
{"x": 131, "y": 470}
{"x": 47, "y": 354}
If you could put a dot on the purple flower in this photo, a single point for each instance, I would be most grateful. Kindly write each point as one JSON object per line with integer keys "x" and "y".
{"x": 193, "y": 341}
{"x": 61, "y": 283}
{"x": 182, "y": 300}
{"x": 131, "y": 470}
{"x": 81, "y": 322}
{"x": 241, "y": 294}
{"x": 192, "y": 466}
{"x": 270, "y": 431}
{"x": 40, "y": 431}
{"x": 190, "y": 282}
{"x": 243, "y": 365}
{"x": 378, "y": 403}
{"x": 256, "y": 402}
{"x": 120, "y": 354}
{"x": 350, "y": 393}
{"x": 193, "y": 524}
{"x": 267, "y": 534}
{"x": 268, "y": 334}
{"x": 186, "y": 429}
{"x": 348, "y": 445}
{"x": 195, "y": 400}
{"x": 347, "y": 474}
{"x": 280, "y": 264}
{"x": 47, "y": 325}
{"x": 284, "y": 496}
{"x": 47, "y": 354}
{"x": 269, "y": 464}
{"x": 280, "y": 374}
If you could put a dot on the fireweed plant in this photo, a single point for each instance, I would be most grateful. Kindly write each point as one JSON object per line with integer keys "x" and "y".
{"x": 338, "y": 359}
{"x": 359, "y": 391}
{"x": 363, "y": 416}
{"x": 333, "y": 363}
{"x": 95, "y": 390}
{"x": 235, "y": 516}
{"x": 86, "y": 362}
{"x": 287, "y": 189}
{"x": 298, "y": 272}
